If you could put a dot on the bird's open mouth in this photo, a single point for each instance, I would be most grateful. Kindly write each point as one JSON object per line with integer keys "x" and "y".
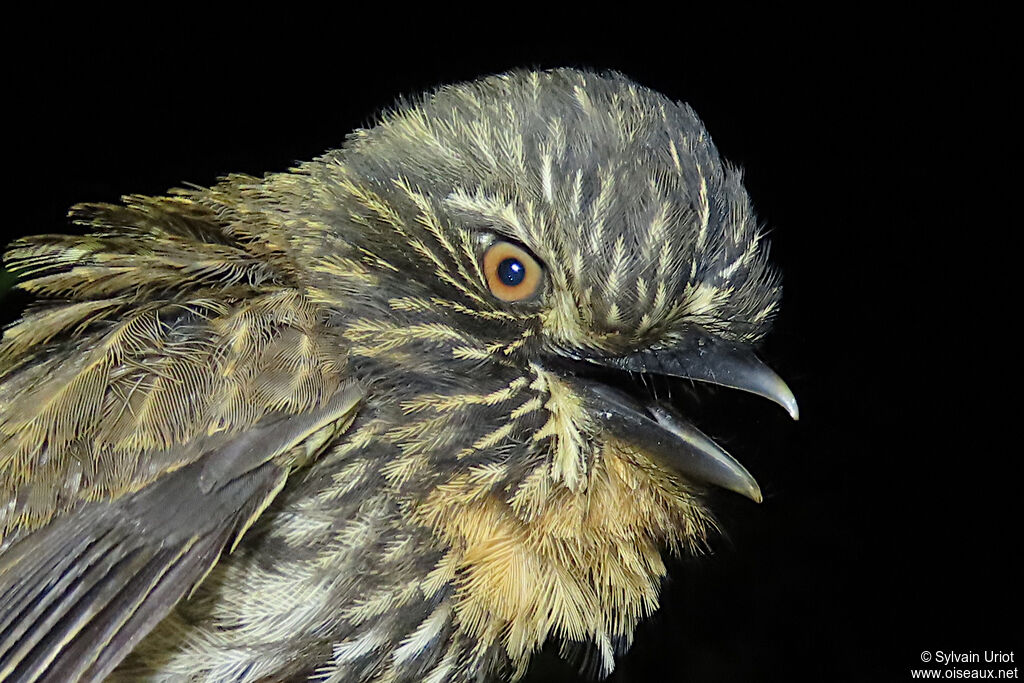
{"x": 658, "y": 431}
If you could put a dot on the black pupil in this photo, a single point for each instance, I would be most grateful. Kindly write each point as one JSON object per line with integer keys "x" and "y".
{"x": 511, "y": 271}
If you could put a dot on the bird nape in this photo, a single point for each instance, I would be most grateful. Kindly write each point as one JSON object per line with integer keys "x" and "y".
{"x": 383, "y": 416}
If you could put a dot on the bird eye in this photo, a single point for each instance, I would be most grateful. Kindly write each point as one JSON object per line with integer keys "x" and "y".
{"x": 512, "y": 274}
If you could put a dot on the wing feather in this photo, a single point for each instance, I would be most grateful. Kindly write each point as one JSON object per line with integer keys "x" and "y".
{"x": 78, "y": 593}
{"x": 151, "y": 407}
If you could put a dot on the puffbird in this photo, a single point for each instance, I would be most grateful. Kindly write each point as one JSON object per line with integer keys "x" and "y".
{"x": 384, "y": 416}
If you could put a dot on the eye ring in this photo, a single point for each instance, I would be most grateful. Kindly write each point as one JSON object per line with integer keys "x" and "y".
{"x": 512, "y": 273}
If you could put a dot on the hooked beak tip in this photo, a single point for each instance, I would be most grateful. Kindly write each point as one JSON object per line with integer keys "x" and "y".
{"x": 785, "y": 398}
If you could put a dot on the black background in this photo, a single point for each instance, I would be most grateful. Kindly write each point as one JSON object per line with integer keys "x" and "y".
{"x": 872, "y": 149}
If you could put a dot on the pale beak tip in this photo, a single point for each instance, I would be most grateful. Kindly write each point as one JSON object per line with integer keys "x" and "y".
{"x": 793, "y": 409}
{"x": 783, "y": 395}
{"x": 751, "y": 491}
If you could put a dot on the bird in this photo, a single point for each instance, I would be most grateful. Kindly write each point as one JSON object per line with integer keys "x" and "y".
{"x": 386, "y": 415}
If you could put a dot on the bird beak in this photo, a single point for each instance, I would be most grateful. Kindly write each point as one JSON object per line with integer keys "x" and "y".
{"x": 654, "y": 429}
{"x": 707, "y": 358}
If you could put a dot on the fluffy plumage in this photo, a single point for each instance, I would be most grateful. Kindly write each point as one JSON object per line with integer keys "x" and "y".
{"x": 311, "y": 366}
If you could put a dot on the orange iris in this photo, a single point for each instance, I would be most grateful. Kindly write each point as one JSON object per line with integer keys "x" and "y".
{"x": 512, "y": 274}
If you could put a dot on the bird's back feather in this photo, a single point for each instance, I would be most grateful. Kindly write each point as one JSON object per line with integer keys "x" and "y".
{"x": 152, "y": 406}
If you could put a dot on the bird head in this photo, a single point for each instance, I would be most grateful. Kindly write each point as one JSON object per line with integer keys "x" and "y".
{"x": 529, "y": 229}
{"x": 491, "y": 255}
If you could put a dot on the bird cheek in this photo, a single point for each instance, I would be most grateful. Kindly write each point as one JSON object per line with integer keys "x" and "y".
{"x": 567, "y": 427}
{"x": 563, "y": 322}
